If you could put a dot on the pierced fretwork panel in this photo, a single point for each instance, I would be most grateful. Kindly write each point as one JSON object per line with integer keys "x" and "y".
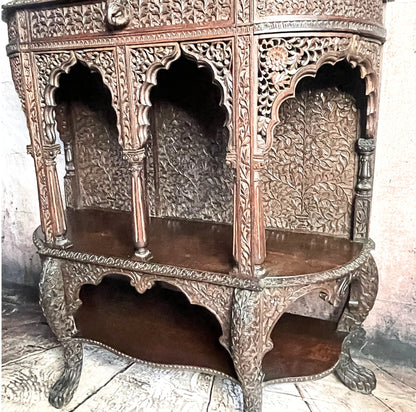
{"x": 310, "y": 169}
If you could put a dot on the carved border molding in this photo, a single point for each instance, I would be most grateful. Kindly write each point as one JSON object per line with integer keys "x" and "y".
{"x": 285, "y": 61}
{"x": 216, "y": 298}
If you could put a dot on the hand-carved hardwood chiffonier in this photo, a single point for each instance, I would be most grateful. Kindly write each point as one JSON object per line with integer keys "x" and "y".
{"x": 218, "y": 180}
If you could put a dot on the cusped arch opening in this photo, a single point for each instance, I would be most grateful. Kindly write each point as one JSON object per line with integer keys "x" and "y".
{"x": 311, "y": 167}
{"x": 159, "y": 325}
{"x": 187, "y": 173}
{"x": 96, "y": 175}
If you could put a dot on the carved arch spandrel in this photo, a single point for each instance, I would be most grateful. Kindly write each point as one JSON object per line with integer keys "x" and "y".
{"x": 284, "y": 62}
{"x": 218, "y": 57}
{"x": 216, "y": 298}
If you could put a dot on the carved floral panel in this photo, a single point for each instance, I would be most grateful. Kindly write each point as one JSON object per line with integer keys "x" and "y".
{"x": 369, "y": 10}
{"x": 194, "y": 182}
{"x": 310, "y": 169}
{"x": 103, "y": 174}
{"x": 91, "y": 18}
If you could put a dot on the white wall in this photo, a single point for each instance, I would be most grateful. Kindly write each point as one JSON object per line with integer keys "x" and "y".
{"x": 393, "y": 225}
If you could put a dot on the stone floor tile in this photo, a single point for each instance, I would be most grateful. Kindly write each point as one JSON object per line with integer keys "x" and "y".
{"x": 226, "y": 396}
{"x": 142, "y": 388}
{"x": 323, "y": 393}
{"x": 285, "y": 399}
{"x": 26, "y": 383}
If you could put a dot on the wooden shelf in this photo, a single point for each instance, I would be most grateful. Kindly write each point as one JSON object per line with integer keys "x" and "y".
{"x": 162, "y": 326}
{"x": 205, "y": 246}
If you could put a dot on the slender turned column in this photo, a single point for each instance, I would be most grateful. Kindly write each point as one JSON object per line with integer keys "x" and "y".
{"x": 57, "y": 215}
{"x": 364, "y": 187}
{"x": 259, "y": 234}
{"x": 138, "y": 198}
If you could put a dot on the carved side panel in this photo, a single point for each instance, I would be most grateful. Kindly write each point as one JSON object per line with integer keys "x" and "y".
{"x": 370, "y": 10}
{"x": 103, "y": 174}
{"x": 280, "y": 59}
{"x": 16, "y": 68}
{"x": 309, "y": 172}
{"x": 194, "y": 182}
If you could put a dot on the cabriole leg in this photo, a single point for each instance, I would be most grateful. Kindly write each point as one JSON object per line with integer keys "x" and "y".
{"x": 246, "y": 344}
{"x": 52, "y": 301}
{"x": 362, "y": 297}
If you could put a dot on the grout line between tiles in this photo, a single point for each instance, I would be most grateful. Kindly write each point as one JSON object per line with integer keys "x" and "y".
{"x": 381, "y": 401}
{"x": 392, "y": 376}
{"x": 28, "y": 355}
{"x": 210, "y": 393}
{"x": 102, "y": 386}
{"x": 301, "y": 394}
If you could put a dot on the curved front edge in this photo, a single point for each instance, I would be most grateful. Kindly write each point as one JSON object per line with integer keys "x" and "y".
{"x": 52, "y": 301}
{"x": 363, "y": 293}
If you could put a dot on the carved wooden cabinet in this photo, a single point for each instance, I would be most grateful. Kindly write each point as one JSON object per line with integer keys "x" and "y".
{"x": 219, "y": 157}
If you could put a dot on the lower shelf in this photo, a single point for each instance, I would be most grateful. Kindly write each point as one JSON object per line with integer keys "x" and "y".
{"x": 162, "y": 326}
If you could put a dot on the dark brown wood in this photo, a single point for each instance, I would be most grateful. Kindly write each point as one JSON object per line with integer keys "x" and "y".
{"x": 205, "y": 246}
{"x": 161, "y": 326}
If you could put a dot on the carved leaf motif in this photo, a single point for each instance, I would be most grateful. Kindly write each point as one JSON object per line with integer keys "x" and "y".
{"x": 309, "y": 171}
{"x": 280, "y": 59}
{"x": 370, "y": 10}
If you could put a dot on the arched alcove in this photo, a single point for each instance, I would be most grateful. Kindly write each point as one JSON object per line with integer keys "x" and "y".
{"x": 187, "y": 174}
{"x": 97, "y": 176}
{"x": 311, "y": 167}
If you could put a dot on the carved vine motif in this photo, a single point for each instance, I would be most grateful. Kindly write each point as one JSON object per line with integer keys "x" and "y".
{"x": 308, "y": 178}
{"x": 194, "y": 181}
{"x": 358, "y": 9}
{"x": 280, "y": 59}
{"x": 60, "y": 320}
{"x": 243, "y": 11}
{"x": 68, "y": 20}
{"x": 35, "y": 149}
{"x": 246, "y": 346}
{"x": 12, "y": 29}
{"x": 362, "y": 296}
{"x": 218, "y": 56}
{"x": 103, "y": 174}
{"x": 144, "y": 64}
{"x": 93, "y": 18}
{"x": 244, "y": 148}
{"x": 16, "y": 68}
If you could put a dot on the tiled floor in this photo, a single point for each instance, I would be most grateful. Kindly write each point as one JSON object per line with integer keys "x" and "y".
{"x": 32, "y": 361}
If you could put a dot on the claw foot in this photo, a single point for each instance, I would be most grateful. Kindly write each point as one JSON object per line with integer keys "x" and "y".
{"x": 356, "y": 377}
{"x": 63, "y": 389}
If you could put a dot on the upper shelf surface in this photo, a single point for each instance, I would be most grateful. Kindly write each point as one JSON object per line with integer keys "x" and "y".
{"x": 205, "y": 246}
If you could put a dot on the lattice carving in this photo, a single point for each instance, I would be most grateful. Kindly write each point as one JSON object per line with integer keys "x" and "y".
{"x": 370, "y": 10}
{"x": 309, "y": 172}
{"x": 280, "y": 59}
{"x": 145, "y": 62}
{"x": 219, "y": 57}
